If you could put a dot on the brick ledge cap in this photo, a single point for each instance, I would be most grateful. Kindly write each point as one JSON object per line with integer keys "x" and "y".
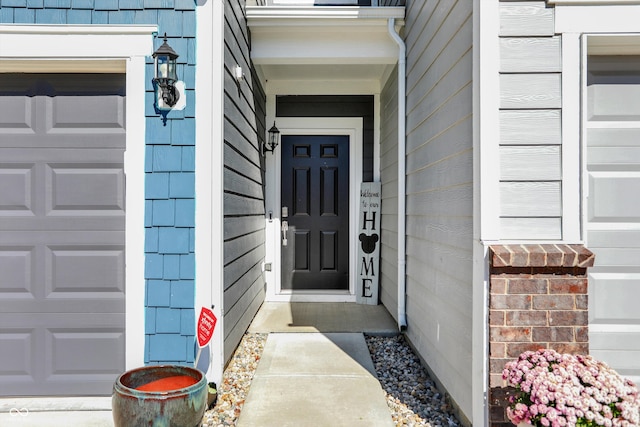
{"x": 541, "y": 255}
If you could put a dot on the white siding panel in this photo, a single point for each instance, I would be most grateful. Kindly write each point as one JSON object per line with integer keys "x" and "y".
{"x": 530, "y": 54}
{"x": 530, "y": 163}
{"x": 530, "y": 91}
{"x": 531, "y": 228}
{"x": 526, "y": 18}
{"x": 530, "y": 127}
{"x": 530, "y": 199}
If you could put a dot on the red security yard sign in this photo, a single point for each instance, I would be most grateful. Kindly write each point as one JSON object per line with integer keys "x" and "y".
{"x": 206, "y": 325}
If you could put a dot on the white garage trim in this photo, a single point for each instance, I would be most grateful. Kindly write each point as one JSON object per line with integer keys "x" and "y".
{"x": 83, "y": 48}
{"x": 596, "y": 18}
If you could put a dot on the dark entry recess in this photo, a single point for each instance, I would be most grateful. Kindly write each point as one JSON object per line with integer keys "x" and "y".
{"x": 315, "y": 200}
{"x": 335, "y": 106}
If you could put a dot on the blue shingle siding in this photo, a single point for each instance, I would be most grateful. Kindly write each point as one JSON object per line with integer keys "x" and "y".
{"x": 158, "y": 294}
{"x": 14, "y": 3}
{"x": 24, "y": 16}
{"x": 6, "y": 15}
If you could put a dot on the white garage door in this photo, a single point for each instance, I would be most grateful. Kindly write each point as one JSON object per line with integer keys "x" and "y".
{"x": 62, "y": 140}
{"x": 613, "y": 210}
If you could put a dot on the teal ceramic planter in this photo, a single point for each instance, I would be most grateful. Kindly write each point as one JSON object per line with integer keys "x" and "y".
{"x": 180, "y": 407}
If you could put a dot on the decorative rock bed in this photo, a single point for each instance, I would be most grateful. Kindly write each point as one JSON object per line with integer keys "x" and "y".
{"x": 412, "y": 396}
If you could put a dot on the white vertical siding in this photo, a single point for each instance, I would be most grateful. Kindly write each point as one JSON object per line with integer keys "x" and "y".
{"x": 530, "y": 158}
{"x": 440, "y": 191}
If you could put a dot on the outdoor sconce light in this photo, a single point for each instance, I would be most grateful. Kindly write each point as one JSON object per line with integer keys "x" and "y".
{"x": 274, "y": 136}
{"x": 165, "y": 76}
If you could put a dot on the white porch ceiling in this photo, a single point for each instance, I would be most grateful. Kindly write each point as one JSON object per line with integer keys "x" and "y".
{"x": 323, "y": 43}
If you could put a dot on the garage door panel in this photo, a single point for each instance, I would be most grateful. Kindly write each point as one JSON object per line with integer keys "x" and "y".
{"x": 96, "y": 115}
{"x": 604, "y": 102}
{"x": 17, "y": 266}
{"x": 623, "y": 361}
{"x": 613, "y": 297}
{"x": 60, "y": 338}
{"x": 613, "y": 210}
{"x": 625, "y": 238}
{"x": 16, "y": 189}
{"x": 16, "y": 352}
{"x": 85, "y": 269}
{"x": 87, "y": 189}
{"x": 67, "y": 343}
{"x": 58, "y": 224}
{"x": 616, "y": 257}
{"x": 613, "y": 137}
{"x": 62, "y": 233}
{"x": 614, "y": 159}
{"x": 17, "y": 116}
{"x": 610, "y": 195}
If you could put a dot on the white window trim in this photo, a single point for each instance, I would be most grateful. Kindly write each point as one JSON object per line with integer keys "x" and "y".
{"x": 79, "y": 46}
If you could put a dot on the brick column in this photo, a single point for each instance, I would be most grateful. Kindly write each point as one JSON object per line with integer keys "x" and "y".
{"x": 537, "y": 299}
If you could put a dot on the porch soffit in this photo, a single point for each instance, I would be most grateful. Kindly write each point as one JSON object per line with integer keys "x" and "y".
{"x": 323, "y": 43}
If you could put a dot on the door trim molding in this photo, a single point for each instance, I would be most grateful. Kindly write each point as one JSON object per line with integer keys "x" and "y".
{"x": 351, "y": 126}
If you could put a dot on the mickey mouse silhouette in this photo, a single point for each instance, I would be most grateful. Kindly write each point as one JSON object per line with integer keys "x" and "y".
{"x": 368, "y": 243}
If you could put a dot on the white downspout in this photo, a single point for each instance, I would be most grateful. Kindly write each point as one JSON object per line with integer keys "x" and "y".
{"x": 402, "y": 65}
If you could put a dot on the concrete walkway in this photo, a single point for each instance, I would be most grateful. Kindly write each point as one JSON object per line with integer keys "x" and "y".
{"x": 315, "y": 379}
{"x": 315, "y": 371}
{"x": 56, "y": 412}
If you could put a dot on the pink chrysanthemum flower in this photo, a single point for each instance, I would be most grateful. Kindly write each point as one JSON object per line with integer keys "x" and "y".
{"x": 556, "y": 389}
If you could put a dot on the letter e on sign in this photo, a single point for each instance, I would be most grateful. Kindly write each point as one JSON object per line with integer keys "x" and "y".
{"x": 206, "y": 324}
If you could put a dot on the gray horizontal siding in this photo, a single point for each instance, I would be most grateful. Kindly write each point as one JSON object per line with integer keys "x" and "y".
{"x": 439, "y": 186}
{"x": 389, "y": 203}
{"x": 244, "y": 236}
{"x": 530, "y": 151}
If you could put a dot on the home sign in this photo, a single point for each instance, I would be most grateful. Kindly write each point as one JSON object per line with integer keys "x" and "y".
{"x": 368, "y": 244}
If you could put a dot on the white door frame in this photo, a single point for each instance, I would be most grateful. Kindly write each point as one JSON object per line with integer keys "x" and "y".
{"x": 351, "y": 126}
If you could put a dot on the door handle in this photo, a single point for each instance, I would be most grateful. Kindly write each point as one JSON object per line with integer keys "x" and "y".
{"x": 284, "y": 228}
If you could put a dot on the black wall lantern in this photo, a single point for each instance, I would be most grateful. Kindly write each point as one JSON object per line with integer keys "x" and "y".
{"x": 165, "y": 76}
{"x": 274, "y": 137}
